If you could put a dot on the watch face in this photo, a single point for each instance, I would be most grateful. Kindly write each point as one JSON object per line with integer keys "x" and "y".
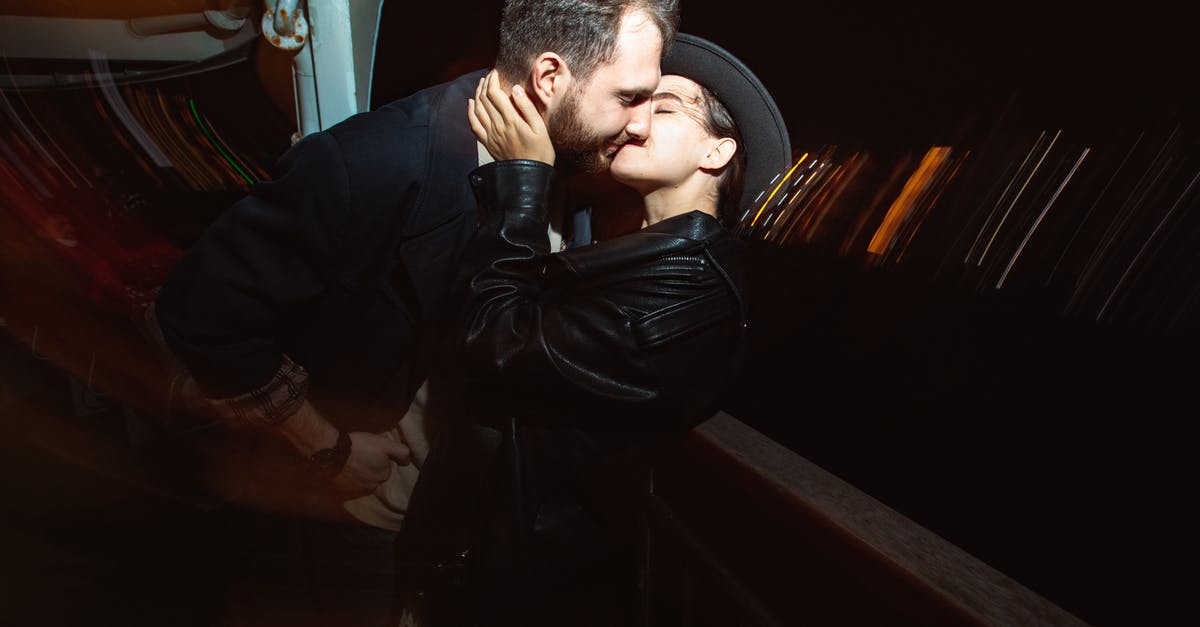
{"x": 324, "y": 458}
{"x": 329, "y": 461}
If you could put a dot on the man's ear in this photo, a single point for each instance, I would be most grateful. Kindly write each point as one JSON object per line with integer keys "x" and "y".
{"x": 720, "y": 154}
{"x": 549, "y": 78}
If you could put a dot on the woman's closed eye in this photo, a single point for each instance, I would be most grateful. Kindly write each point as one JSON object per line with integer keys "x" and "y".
{"x": 667, "y": 102}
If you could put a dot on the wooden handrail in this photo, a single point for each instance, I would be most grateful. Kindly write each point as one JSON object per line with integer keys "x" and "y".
{"x": 778, "y": 535}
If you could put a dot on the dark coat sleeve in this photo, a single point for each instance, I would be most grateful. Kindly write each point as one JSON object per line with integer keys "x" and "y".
{"x": 643, "y": 348}
{"x": 227, "y": 304}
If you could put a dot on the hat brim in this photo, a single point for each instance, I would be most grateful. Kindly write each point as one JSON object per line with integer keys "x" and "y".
{"x": 767, "y": 146}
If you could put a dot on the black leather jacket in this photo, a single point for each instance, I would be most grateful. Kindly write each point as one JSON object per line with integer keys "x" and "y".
{"x": 573, "y": 366}
{"x": 639, "y": 333}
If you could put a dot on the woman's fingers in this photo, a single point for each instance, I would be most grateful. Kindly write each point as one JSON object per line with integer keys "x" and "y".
{"x": 476, "y": 114}
{"x": 497, "y": 105}
{"x": 535, "y": 139}
{"x": 481, "y": 109}
{"x": 499, "y": 110}
{"x": 528, "y": 111}
{"x": 508, "y": 125}
{"x": 493, "y": 93}
{"x": 476, "y": 125}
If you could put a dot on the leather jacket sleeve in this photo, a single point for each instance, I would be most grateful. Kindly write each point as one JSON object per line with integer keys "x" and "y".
{"x": 542, "y": 342}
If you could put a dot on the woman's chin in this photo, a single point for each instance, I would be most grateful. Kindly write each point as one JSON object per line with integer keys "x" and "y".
{"x": 623, "y": 172}
{"x": 625, "y": 179}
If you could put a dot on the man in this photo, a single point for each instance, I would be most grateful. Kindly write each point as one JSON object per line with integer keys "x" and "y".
{"x": 304, "y": 317}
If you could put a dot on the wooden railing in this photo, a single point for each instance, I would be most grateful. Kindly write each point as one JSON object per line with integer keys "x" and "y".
{"x": 746, "y": 532}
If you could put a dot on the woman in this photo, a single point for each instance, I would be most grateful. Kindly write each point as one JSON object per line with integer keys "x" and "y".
{"x": 583, "y": 361}
{"x": 639, "y": 332}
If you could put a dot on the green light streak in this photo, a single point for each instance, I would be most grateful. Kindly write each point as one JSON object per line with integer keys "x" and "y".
{"x": 216, "y": 144}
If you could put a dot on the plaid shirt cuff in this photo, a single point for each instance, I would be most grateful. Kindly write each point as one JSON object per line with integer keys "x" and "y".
{"x": 272, "y": 403}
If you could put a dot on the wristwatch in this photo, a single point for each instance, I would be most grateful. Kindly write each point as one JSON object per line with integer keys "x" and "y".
{"x": 328, "y": 462}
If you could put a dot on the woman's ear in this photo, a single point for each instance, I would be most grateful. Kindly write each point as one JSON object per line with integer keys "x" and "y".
{"x": 720, "y": 154}
{"x": 548, "y": 78}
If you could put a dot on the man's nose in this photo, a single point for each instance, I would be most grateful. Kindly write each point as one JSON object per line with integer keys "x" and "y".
{"x": 639, "y": 121}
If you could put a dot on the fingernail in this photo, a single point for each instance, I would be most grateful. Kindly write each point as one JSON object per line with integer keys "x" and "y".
{"x": 517, "y": 91}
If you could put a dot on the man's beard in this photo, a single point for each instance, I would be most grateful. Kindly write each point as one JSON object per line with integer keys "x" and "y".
{"x": 576, "y": 146}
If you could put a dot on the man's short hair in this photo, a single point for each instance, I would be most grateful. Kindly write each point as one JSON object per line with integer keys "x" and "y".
{"x": 583, "y": 32}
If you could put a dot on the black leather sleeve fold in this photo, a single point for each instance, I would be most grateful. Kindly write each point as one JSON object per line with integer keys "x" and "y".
{"x": 561, "y": 349}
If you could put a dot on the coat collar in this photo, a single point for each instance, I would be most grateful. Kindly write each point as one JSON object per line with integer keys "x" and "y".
{"x": 451, "y": 154}
{"x": 678, "y": 235}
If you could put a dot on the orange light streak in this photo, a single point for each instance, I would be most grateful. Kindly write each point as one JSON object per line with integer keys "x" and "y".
{"x": 904, "y": 201}
{"x": 776, "y": 190}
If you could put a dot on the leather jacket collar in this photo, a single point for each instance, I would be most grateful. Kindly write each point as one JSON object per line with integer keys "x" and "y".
{"x": 682, "y": 234}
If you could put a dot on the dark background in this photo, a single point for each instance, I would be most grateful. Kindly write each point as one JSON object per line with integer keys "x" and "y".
{"x": 888, "y": 75}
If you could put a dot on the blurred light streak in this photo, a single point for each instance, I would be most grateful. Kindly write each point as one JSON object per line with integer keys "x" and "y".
{"x": 795, "y": 206}
{"x": 1038, "y": 220}
{"x": 1146, "y": 245}
{"x": 14, "y": 160}
{"x": 903, "y": 205}
{"x": 840, "y": 177}
{"x": 1117, "y": 230}
{"x": 1120, "y": 224}
{"x": 1001, "y": 197}
{"x": 946, "y": 174}
{"x": 1020, "y": 192}
{"x": 121, "y": 110}
{"x": 216, "y": 142}
{"x": 776, "y": 190}
{"x": 1092, "y": 208}
{"x": 45, "y": 222}
{"x": 220, "y": 169}
{"x": 881, "y": 193}
{"x": 136, "y": 155}
{"x": 180, "y": 138}
{"x": 32, "y": 138}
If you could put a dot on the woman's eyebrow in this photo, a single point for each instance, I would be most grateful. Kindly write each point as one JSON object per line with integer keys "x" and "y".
{"x": 668, "y": 95}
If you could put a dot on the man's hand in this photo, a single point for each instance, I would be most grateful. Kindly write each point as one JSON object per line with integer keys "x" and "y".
{"x": 371, "y": 455}
{"x": 370, "y": 463}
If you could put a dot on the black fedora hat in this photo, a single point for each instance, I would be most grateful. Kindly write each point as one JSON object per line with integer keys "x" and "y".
{"x": 765, "y": 137}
